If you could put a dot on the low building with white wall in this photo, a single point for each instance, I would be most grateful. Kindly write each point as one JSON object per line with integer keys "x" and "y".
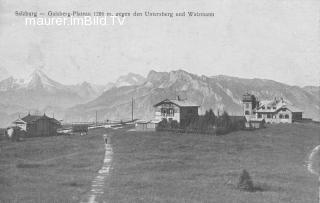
{"x": 272, "y": 111}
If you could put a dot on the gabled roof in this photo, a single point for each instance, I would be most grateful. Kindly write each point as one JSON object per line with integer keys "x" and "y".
{"x": 32, "y": 118}
{"x": 291, "y": 108}
{"x": 19, "y": 121}
{"x": 278, "y": 104}
{"x": 180, "y": 103}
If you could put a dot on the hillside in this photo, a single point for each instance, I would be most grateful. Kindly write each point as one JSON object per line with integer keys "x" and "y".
{"x": 216, "y": 92}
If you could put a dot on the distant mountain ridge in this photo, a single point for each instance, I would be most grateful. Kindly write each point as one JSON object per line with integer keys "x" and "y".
{"x": 216, "y": 92}
{"x": 39, "y": 93}
{"x": 129, "y": 79}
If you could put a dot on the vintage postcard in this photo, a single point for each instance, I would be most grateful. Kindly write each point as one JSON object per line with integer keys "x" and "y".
{"x": 160, "y": 101}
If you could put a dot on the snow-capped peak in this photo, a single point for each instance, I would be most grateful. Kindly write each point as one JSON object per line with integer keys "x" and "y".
{"x": 38, "y": 79}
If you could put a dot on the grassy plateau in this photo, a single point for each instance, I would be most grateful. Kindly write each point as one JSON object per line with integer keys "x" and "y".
{"x": 164, "y": 167}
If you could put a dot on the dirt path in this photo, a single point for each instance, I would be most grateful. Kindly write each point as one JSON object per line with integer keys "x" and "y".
{"x": 314, "y": 164}
{"x": 97, "y": 185}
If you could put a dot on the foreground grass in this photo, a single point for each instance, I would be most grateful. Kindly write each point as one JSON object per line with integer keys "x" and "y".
{"x": 49, "y": 169}
{"x": 164, "y": 167}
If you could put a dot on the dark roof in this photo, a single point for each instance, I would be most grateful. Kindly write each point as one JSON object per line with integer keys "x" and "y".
{"x": 180, "y": 103}
{"x": 32, "y": 118}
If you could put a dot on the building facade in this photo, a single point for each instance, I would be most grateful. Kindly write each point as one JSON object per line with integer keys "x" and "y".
{"x": 35, "y": 125}
{"x": 178, "y": 110}
{"x": 273, "y": 111}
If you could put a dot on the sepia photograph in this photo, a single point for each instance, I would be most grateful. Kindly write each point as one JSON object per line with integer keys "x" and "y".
{"x": 149, "y": 101}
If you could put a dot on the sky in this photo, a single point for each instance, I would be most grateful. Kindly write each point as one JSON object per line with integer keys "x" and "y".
{"x": 271, "y": 39}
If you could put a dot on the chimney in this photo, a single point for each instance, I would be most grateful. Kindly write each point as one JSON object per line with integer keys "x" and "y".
{"x": 178, "y": 98}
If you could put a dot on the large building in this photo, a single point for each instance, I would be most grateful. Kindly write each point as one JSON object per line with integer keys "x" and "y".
{"x": 273, "y": 111}
{"x": 35, "y": 125}
{"x": 180, "y": 110}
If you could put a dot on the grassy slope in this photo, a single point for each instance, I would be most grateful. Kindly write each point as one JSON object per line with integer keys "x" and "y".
{"x": 50, "y": 168}
{"x": 160, "y": 167}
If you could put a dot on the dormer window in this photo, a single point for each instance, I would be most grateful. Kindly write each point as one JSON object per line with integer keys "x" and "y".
{"x": 269, "y": 107}
{"x": 274, "y": 107}
{"x": 263, "y": 107}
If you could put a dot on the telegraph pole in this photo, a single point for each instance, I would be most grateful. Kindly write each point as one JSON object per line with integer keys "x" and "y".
{"x": 132, "y": 109}
{"x": 96, "y": 118}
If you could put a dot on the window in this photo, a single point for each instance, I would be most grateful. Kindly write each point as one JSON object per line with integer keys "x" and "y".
{"x": 269, "y": 107}
{"x": 274, "y": 107}
{"x": 286, "y": 116}
{"x": 280, "y": 116}
{"x": 268, "y": 115}
{"x": 171, "y": 111}
{"x": 247, "y": 113}
{"x": 263, "y": 107}
{"x": 247, "y": 105}
{"x": 259, "y": 115}
{"x": 163, "y": 111}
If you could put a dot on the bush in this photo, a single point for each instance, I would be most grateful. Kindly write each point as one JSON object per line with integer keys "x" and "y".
{"x": 164, "y": 124}
{"x": 208, "y": 123}
{"x": 245, "y": 183}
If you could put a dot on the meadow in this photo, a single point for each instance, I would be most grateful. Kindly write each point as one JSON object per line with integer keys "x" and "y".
{"x": 164, "y": 167}
{"x": 49, "y": 169}
{"x": 169, "y": 167}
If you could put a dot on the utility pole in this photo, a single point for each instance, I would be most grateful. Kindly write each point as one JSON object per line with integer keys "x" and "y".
{"x": 132, "y": 109}
{"x": 96, "y": 118}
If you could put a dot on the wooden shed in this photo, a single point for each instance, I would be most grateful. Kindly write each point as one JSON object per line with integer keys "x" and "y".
{"x": 36, "y": 125}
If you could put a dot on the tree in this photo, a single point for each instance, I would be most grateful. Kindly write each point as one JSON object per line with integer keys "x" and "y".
{"x": 210, "y": 118}
{"x": 225, "y": 120}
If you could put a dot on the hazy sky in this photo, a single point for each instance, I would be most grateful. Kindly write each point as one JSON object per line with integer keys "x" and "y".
{"x": 273, "y": 39}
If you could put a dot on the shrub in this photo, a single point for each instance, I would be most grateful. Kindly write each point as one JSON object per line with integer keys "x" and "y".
{"x": 208, "y": 123}
{"x": 245, "y": 183}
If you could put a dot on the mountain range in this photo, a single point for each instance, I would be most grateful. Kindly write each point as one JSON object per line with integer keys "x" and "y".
{"x": 216, "y": 92}
{"x": 80, "y": 102}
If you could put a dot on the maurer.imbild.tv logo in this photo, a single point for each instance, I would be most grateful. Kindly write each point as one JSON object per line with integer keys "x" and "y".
{"x": 76, "y": 21}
